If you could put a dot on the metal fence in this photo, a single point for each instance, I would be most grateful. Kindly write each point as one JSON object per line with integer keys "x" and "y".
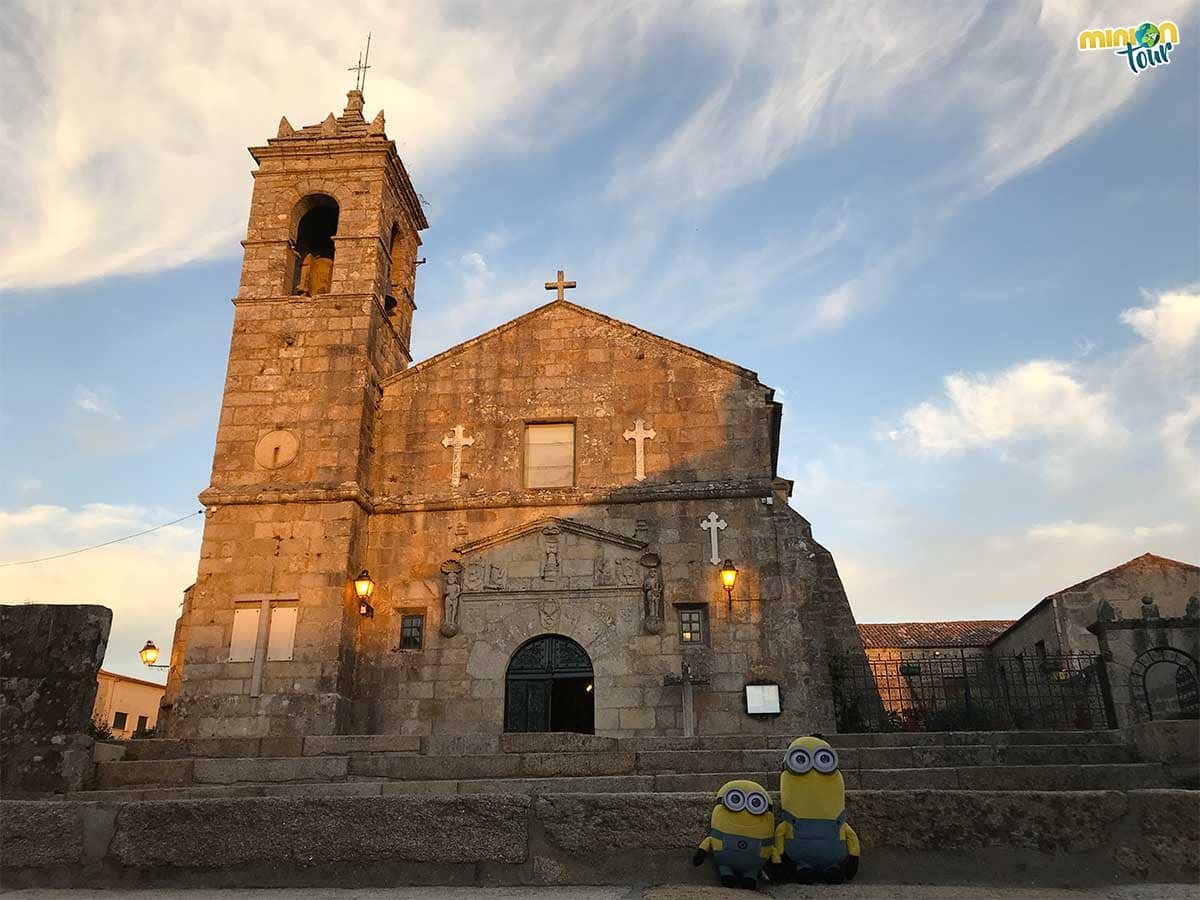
{"x": 957, "y": 692}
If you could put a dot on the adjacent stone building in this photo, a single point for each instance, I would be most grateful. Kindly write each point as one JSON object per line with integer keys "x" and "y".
{"x": 543, "y": 510}
{"x": 1058, "y": 625}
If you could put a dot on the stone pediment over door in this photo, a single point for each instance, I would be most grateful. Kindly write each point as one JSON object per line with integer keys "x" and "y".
{"x": 555, "y": 555}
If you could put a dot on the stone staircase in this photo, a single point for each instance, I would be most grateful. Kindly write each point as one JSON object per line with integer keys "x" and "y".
{"x": 545, "y": 764}
{"x": 1004, "y": 808}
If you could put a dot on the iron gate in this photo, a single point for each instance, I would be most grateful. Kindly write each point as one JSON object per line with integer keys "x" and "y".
{"x": 957, "y": 692}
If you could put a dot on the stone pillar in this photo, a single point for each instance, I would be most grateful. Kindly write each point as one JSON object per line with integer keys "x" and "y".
{"x": 49, "y": 657}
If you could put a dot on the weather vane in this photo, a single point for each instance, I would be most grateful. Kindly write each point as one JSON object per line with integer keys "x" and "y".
{"x": 360, "y": 70}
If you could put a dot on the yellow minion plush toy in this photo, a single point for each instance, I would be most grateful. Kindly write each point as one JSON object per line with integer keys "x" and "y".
{"x": 813, "y": 835}
{"x": 741, "y": 834}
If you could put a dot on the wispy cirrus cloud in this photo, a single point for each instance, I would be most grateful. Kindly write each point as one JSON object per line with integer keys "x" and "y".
{"x": 130, "y": 154}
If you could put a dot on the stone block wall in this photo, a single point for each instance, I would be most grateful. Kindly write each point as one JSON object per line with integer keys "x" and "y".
{"x": 49, "y": 657}
{"x": 1145, "y": 656}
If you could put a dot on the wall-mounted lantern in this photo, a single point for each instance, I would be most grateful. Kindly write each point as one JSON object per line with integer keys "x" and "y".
{"x": 729, "y": 575}
{"x": 149, "y": 655}
{"x": 364, "y": 587}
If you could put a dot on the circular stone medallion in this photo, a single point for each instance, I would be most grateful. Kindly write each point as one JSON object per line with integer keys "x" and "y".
{"x": 276, "y": 449}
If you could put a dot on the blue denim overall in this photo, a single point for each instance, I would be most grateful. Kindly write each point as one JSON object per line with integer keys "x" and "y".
{"x": 739, "y": 855}
{"x": 816, "y": 843}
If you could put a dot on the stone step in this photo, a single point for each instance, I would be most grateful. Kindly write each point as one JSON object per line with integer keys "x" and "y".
{"x": 1055, "y": 838}
{"x": 346, "y": 744}
{"x": 1018, "y": 778}
{"x": 408, "y": 766}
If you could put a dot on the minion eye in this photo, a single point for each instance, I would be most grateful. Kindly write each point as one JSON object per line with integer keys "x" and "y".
{"x": 734, "y": 800}
{"x": 799, "y": 761}
{"x": 757, "y": 803}
{"x": 825, "y": 760}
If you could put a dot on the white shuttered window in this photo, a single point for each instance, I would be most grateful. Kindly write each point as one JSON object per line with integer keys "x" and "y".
{"x": 283, "y": 632}
{"x": 550, "y": 455}
{"x": 245, "y": 633}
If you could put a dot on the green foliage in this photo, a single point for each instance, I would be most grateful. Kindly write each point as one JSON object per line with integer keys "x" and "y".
{"x": 99, "y": 730}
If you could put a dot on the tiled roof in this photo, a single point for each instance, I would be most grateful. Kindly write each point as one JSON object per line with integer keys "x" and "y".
{"x": 901, "y": 635}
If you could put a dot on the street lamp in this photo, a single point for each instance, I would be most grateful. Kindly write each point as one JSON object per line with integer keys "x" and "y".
{"x": 729, "y": 575}
{"x": 364, "y": 587}
{"x": 149, "y": 655}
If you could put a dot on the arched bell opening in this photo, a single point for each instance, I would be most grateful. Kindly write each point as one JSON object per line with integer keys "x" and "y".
{"x": 317, "y": 216}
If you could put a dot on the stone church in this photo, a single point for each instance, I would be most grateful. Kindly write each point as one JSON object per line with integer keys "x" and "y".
{"x": 542, "y": 513}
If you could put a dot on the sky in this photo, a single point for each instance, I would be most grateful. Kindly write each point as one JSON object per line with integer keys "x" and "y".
{"x": 966, "y": 255}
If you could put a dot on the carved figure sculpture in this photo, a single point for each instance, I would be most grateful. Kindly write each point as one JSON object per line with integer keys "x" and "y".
{"x": 451, "y": 595}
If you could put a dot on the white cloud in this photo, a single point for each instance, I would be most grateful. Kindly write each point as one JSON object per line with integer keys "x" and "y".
{"x": 1042, "y": 398}
{"x": 141, "y": 580}
{"x": 133, "y": 118}
{"x": 1171, "y": 324}
{"x": 1180, "y": 435}
{"x": 1089, "y": 532}
{"x": 1098, "y": 532}
{"x": 92, "y": 401}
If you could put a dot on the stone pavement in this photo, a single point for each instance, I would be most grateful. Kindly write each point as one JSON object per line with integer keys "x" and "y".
{"x": 661, "y": 892}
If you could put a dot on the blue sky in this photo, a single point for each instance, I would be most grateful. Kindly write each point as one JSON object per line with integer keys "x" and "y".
{"x": 969, "y": 266}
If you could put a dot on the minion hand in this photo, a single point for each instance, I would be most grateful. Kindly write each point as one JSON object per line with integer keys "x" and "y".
{"x": 698, "y": 856}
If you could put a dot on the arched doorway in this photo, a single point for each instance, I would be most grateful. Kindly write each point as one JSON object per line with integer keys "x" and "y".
{"x": 548, "y": 687}
{"x": 1165, "y": 684}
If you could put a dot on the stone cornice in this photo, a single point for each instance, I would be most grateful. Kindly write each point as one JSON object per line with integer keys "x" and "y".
{"x": 351, "y": 491}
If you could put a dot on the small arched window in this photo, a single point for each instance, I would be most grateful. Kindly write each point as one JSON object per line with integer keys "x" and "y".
{"x": 318, "y": 222}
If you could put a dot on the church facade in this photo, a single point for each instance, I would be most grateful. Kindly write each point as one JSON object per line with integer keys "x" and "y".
{"x": 543, "y": 511}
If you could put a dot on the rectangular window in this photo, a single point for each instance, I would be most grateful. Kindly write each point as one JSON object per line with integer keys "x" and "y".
{"x": 283, "y": 632}
{"x": 119, "y": 720}
{"x": 141, "y": 725}
{"x": 412, "y": 632}
{"x": 245, "y": 633}
{"x": 693, "y": 623}
{"x": 550, "y": 455}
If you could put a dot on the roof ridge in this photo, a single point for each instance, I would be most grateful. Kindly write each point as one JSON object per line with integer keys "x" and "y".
{"x": 1087, "y": 582}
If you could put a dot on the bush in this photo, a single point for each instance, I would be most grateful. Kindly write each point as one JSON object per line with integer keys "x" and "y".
{"x": 99, "y": 730}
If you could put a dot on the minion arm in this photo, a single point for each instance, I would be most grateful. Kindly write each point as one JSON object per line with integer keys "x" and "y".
{"x": 851, "y": 839}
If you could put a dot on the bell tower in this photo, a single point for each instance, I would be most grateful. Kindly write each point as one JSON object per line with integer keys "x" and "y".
{"x": 322, "y": 315}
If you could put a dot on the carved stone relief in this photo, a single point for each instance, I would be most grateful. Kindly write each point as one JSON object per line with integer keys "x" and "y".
{"x": 602, "y": 572}
{"x": 652, "y": 593}
{"x": 496, "y": 576}
{"x": 475, "y": 577}
{"x": 550, "y": 566}
{"x": 451, "y": 595}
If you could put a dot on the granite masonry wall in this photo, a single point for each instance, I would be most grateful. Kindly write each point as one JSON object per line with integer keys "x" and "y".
{"x": 49, "y": 657}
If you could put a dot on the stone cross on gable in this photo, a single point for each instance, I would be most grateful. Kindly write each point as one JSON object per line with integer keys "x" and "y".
{"x": 559, "y": 285}
{"x": 457, "y": 440}
{"x": 639, "y": 436}
{"x": 712, "y": 524}
{"x": 688, "y": 680}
